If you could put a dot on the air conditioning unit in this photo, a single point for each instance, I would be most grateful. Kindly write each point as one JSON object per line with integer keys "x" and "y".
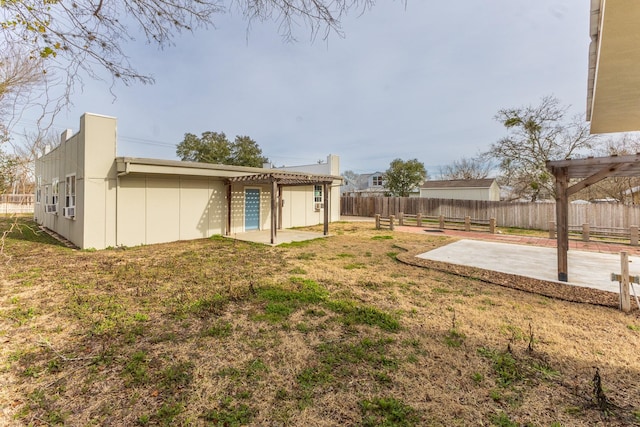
{"x": 69, "y": 212}
{"x": 51, "y": 208}
{"x": 317, "y": 206}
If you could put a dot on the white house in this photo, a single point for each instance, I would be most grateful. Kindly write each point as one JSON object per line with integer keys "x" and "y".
{"x": 97, "y": 200}
{"x": 365, "y": 185}
{"x": 461, "y": 189}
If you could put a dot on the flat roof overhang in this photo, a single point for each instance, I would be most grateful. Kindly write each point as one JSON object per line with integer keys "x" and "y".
{"x": 236, "y": 174}
{"x": 613, "y": 99}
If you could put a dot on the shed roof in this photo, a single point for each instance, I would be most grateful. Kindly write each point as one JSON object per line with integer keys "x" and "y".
{"x": 459, "y": 183}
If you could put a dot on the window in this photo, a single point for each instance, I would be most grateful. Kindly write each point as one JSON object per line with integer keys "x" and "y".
{"x": 70, "y": 196}
{"x": 49, "y": 205}
{"x": 38, "y": 189}
{"x": 377, "y": 180}
{"x": 70, "y": 192}
{"x": 317, "y": 194}
{"x": 317, "y": 198}
{"x": 54, "y": 191}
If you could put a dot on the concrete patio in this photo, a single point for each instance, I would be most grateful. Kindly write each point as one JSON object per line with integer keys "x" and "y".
{"x": 589, "y": 269}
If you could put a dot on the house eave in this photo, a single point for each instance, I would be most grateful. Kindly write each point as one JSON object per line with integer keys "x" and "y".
{"x": 613, "y": 94}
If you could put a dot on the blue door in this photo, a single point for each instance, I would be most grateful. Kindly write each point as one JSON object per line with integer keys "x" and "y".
{"x": 251, "y": 209}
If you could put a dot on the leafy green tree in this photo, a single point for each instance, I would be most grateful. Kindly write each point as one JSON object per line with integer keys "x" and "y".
{"x": 246, "y": 152}
{"x": 214, "y": 147}
{"x": 403, "y": 177}
{"x": 211, "y": 147}
{"x": 536, "y": 134}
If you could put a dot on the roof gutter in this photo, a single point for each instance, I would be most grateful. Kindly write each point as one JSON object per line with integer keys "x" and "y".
{"x": 127, "y": 169}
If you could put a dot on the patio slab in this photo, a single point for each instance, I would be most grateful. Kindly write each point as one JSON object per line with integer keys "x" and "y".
{"x": 588, "y": 269}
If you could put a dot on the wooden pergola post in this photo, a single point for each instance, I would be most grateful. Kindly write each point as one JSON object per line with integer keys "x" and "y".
{"x": 325, "y": 194}
{"x": 229, "y": 197}
{"x": 590, "y": 170}
{"x": 280, "y": 204}
{"x": 562, "y": 229}
{"x": 274, "y": 210}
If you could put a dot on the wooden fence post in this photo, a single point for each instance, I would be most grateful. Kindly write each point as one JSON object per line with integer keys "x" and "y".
{"x": 467, "y": 223}
{"x": 419, "y": 219}
{"x": 377, "y": 221}
{"x": 441, "y": 222}
{"x": 391, "y": 221}
{"x": 401, "y": 218}
{"x": 552, "y": 229}
{"x": 492, "y": 225}
{"x": 633, "y": 232}
{"x": 585, "y": 232}
{"x": 625, "y": 296}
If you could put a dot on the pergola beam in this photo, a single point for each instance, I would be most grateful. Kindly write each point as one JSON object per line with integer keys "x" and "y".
{"x": 596, "y": 177}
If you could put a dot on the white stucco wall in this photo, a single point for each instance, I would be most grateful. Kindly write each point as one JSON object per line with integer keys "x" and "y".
{"x": 156, "y": 209}
{"x": 160, "y": 201}
{"x": 89, "y": 155}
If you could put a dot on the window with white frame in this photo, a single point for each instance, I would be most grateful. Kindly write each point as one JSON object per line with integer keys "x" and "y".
{"x": 317, "y": 198}
{"x": 377, "y": 180}
{"x": 46, "y": 195}
{"x": 70, "y": 192}
{"x": 38, "y": 189}
{"x": 54, "y": 191}
{"x": 70, "y": 196}
{"x": 317, "y": 194}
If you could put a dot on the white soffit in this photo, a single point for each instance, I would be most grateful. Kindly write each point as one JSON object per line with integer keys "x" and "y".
{"x": 615, "y": 103}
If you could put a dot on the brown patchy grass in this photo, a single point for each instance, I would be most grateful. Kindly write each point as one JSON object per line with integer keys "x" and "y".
{"x": 330, "y": 332}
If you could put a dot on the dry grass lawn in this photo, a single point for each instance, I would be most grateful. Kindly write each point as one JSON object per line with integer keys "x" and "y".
{"x": 329, "y": 332}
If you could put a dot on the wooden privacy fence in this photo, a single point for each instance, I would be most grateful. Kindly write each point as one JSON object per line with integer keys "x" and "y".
{"x": 535, "y": 216}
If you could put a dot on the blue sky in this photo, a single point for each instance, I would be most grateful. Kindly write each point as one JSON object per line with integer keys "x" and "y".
{"x": 422, "y": 81}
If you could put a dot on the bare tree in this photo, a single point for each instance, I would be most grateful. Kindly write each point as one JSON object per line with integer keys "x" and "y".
{"x": 467, "y": 168}
{"x": 537, "y": 134}
{"x": 69, "y": 40}
{"x": 17, "y": 167}
{"x": 21, "y": 79}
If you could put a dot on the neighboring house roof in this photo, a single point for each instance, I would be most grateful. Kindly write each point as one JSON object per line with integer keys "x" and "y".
{"x": 361, "y": 183}
{"x": 459, "y": 183}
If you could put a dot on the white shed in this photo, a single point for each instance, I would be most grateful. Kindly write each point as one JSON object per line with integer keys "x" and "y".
{"x": 461, "y": 189}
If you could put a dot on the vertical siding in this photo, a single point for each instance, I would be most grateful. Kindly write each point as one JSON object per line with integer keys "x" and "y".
{"x": 156, "y": 210}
